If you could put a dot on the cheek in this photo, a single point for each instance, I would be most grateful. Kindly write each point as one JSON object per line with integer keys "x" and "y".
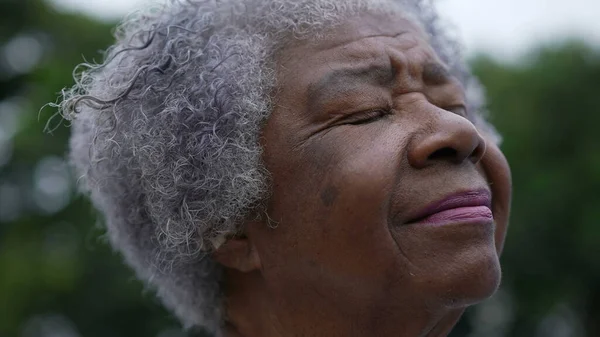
{"x": 332, "y": 201}
{"x": 497, "y": 172}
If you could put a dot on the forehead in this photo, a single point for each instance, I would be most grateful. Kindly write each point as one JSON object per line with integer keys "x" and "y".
{"x": 369, "y": 48}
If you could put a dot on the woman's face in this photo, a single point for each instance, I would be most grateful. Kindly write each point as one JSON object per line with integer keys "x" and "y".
{"x": 389, "y": 203}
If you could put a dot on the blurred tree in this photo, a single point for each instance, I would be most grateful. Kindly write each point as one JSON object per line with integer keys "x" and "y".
{"x": 548, "y": 109}
{"x": 58, "y": 276}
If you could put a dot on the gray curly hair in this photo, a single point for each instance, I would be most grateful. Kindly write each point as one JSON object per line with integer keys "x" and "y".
{"x": 165, "y": 135}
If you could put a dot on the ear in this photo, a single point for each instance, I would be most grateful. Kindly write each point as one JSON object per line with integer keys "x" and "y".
{"x": 239, "y": 254}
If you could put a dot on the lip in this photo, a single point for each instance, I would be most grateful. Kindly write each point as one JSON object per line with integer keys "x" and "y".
{"x": 463, "y": 207}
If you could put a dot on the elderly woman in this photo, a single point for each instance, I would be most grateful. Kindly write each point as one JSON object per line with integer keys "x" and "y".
{"x": 295, "y": 167}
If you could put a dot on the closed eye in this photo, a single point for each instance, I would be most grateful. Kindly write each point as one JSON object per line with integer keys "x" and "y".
{"x": 367, "y": 116}
{"x": 460, "y": 110}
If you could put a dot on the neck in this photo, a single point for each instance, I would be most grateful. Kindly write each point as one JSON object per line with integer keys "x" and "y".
{"x": 250, "y": 313}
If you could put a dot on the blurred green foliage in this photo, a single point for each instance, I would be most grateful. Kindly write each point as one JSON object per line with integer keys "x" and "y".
{"x": 58, "y": 276}
{"x": 548, "y": 109}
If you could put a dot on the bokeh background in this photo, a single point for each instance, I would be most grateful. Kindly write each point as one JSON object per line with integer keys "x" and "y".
{"x": 540, "y": 62}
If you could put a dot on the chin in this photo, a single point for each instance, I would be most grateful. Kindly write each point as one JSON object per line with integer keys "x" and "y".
{"x": 474, "y": 277}
{"x": 453, "y": 266}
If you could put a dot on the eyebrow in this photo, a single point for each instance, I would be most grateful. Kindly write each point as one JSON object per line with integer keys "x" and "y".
{"x": 348, "y": 79}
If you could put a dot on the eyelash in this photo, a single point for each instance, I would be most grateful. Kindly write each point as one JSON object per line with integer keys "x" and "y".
{"x": 369, "y": 116}
{"x": 376, "y": 114}
{"x": 462, "y": 110}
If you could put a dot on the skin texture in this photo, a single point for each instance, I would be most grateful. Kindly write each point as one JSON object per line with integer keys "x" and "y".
{"x": 353, "y": 156}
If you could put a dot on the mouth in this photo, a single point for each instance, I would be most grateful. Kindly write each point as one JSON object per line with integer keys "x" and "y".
{"x": 463, "y": 207}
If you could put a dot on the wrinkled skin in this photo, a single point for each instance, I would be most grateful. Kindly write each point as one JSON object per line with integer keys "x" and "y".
{"x": 353, "y": 158}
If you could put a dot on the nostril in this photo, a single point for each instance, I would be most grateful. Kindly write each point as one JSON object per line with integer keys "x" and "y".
{"x": 446, "y": 153}
{"x": 454, "y": 141}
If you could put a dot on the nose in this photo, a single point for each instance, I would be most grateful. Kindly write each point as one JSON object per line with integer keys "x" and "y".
{"x": 451, "y": 138}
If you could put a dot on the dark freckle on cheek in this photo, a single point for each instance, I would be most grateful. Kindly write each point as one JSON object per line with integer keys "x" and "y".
{"x": 329, "y": 195}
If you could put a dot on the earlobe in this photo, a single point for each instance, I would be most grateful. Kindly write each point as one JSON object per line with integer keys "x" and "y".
{"x": 238, "y": 254}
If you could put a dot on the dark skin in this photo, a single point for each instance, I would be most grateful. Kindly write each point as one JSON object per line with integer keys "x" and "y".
{"x": 369, "y": 129}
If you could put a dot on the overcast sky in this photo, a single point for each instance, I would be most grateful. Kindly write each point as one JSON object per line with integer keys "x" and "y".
{"x": 505, "y": 28}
